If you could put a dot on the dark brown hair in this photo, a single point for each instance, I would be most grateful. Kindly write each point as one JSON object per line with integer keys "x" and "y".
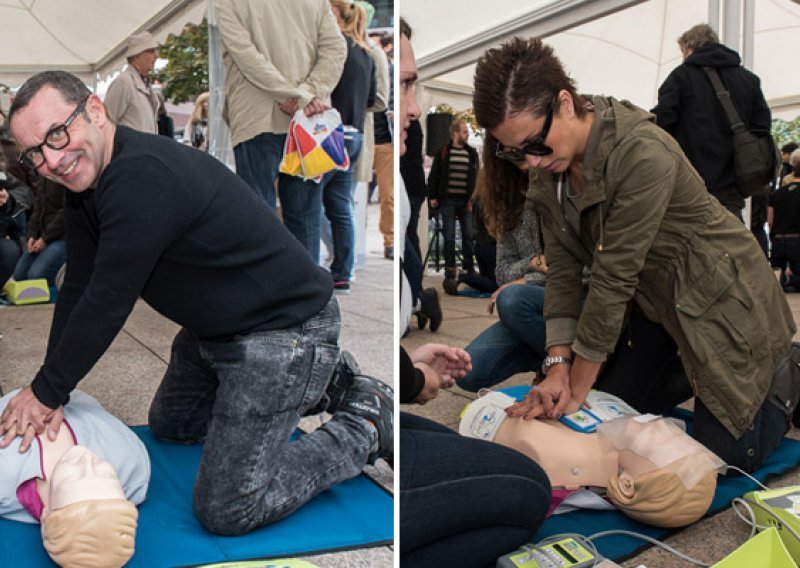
{"x": 500, "y": 190}
{"x": 521, "y": 75}
{"x": 405, "y": 29}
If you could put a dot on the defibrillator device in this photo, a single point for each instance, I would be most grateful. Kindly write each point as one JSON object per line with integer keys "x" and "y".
{"x": 562, "y": 553}
{"x": 779, "y": 508}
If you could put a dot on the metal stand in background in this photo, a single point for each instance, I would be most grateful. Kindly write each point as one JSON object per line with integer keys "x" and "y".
{"x": 435, "y": 243}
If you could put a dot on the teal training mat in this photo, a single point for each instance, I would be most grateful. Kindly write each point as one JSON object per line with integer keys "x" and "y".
{"x": 353, "y": 514}
{"x": 619, "y": 547}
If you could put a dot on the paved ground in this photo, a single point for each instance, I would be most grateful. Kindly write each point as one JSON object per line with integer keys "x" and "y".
{"x": 126, "y": 377}
{"x": 708, "y": 540}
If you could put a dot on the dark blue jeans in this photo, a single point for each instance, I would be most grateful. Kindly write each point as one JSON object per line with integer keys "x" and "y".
{"x": 515, "y": 344}
{"x": 9, "y": 253}
{"x": 257, "y": 162}
{"x": 244, "y": 398}
{"x": 451, "y": 211}
{"x": 337, "y": 197}
{"x": 464, "y": 502}
{"x": 44, "y": 264}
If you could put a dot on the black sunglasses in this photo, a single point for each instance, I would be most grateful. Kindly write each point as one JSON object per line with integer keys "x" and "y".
{"x": 537, "y": 147}
{"x": 56, "y": 139}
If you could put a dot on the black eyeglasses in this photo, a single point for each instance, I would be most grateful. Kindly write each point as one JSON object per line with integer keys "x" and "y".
{"x": 535, "y": 148}
{"x": 56, "y": 139}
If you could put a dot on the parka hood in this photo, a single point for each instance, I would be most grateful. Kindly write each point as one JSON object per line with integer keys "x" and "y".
{"x": 714, "y": 55}
{"x": 613, "y": 120}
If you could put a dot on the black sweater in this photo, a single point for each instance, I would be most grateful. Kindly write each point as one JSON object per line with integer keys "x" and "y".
{"x": 356, "y": 88}
{"x": 175, "y": 226}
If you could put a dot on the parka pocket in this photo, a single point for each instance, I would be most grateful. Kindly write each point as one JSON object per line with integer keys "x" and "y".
{"x": 707, "y": 288}
{"x": 713, "y": 315}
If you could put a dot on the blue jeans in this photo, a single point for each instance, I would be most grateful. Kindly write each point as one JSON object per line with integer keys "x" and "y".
{"x": 464, "y": 502}
{"x": 43, "y": 264}
{"x": 515, "y": 344}
{"x": 301, "y": 202}
{"x": 338, "y": 188}
{"x": 244, "y": 398}
{"x": 257, "y": 163}
{"x": 452, "y": 210}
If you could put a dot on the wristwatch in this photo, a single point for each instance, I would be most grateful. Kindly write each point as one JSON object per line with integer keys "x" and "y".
{"x": 551, "y": 360}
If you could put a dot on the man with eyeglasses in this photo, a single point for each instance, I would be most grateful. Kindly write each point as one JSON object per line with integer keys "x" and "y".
{"x": 258, "y": 348}
{"x": 130, "y": 99}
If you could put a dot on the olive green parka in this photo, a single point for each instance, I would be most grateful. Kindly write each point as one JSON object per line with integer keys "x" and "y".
{"x": 651, "y": 233}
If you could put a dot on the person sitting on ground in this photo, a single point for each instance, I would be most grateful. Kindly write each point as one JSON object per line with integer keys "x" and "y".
{"x": 516, "y": 343}
{"x": 616, "y": 192}
{"x": 46, "y": 247}
{"x": 82, "y": 484}
{"x": 15, "y": 198}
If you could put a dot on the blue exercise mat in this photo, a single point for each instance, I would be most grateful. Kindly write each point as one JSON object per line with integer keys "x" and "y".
{"x": 353, "y": 514}
{"x": 619, "y": 547}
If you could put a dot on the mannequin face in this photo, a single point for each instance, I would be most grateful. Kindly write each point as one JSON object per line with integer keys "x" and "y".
{"x": 80, "y": 476}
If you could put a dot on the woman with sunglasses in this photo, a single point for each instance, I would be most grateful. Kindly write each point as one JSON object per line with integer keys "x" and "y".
{"x": 617, "y": 194}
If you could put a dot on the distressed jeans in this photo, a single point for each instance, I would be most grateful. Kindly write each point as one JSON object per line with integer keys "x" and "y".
{"x": 244, "y": 398}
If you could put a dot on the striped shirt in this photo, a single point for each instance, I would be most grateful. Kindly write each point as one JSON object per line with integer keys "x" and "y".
{"x": 459, "y": 172}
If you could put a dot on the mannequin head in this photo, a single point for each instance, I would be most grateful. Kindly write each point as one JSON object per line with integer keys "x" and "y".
{"x": 87, "y": 520}
{"x": 660, "y": 498}
{"x": 91, "y": 533}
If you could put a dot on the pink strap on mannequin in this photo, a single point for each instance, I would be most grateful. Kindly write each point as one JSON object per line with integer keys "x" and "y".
{"x": 28, "y": 493}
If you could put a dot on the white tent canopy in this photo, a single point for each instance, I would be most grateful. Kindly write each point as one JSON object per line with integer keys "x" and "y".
{"x": 84, "y": 37}
{"x": 622, "y": 48}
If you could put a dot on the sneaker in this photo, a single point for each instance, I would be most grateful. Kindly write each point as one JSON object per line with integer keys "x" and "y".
{"x": 341, "y": 382}
{"x": 388, "y": 253}
{"x": 341, "y": 287}
{"x": 373, "y": 400}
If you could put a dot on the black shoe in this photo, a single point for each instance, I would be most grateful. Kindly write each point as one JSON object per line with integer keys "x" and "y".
{"x": 374, "y": 400}
{"x": 450, "y": 286}
{"x": 422, "y": 320}
{"x": 429, "y": 305}
{"x": 341, "y": 382}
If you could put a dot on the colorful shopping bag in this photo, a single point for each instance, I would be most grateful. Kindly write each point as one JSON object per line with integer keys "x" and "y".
{"x": 315, "y": 145}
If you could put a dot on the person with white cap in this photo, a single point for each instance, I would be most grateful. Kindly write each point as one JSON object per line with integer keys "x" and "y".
{"x": 130, "y": 100}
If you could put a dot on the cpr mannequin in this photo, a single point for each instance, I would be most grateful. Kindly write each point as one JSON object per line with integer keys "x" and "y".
{"x": 651, "y": 469}
{"x": 83, "y": 486}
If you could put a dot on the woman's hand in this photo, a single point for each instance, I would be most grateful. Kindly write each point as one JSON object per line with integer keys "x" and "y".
{"x": 548, "y": 399}
{"x": 538, "y": 263}
{"x": 450, "y": 363}
{"x": 493, "y": 300}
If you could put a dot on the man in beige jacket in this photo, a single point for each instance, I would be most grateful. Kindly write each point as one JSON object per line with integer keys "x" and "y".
{"x": 279, "y": 56}
{"x": 130, "y": 100}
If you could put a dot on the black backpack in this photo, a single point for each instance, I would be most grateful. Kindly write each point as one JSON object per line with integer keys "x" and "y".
{"x": 756, "y": 158}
